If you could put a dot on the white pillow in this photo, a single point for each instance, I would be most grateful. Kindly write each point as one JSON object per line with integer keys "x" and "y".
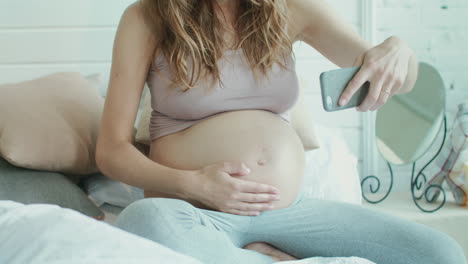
{"x": 142, "y": 135}
{"x": 330, "y": 174}
{"x": 102, "y": 189}
{"x": 331, "y": 171}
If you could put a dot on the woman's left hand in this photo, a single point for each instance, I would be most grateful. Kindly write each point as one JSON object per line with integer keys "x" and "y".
{"x": 385, "y": 66}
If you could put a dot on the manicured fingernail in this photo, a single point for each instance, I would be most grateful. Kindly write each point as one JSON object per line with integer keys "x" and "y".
{"x": 343, "y": 102}
{"x": 276, "y": 197}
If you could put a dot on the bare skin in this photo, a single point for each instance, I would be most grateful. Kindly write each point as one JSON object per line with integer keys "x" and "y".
{"x": 311, "y": 21}
{"x": 261, "y": 247}
{"x": 269, "y": 250}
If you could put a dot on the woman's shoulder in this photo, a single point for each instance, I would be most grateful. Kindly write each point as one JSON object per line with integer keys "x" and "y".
{"x": 134, "y": 29}
{"x": 134, "y": 10}
{"x": 133, "y": 13}
{"x": 133, "y": 37}
{"x": 135, "y": 16}
{"x": 295, "y": 16}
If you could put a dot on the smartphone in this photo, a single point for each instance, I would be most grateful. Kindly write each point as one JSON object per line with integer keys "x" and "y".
{"x": 332, "y": 85}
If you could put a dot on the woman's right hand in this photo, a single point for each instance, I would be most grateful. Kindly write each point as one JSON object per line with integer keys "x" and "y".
{"x": 218, "y": 188}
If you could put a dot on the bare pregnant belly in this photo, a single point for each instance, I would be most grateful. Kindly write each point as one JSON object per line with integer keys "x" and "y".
{"x": 265, "y": 142}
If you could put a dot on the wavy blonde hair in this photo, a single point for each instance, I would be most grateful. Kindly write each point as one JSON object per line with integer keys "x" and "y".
{"x": 189, "y": 30}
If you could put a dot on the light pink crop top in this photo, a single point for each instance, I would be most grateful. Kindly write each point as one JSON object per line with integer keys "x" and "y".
{"x": 174, "y": 110}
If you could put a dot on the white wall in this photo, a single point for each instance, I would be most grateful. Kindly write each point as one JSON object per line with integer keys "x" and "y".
{"x": 310, "y": 64}
{"x": 438, "y": 32}
{"x": 41, "y": 37}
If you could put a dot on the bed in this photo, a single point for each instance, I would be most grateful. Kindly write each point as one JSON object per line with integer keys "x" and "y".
{"x": 44, "y": 233}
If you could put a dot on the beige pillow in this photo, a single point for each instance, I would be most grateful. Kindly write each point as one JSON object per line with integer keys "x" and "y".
{"x": 301, "y": 120}
{"x": 51, "y": 123}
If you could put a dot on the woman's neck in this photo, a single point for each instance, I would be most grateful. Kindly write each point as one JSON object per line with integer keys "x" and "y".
{"x": 227, "y": 2}
{"x": 227, "y": 13}
{"x": 228, "y": 7}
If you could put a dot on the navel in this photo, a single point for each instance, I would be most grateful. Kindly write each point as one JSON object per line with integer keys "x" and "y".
{"x": 261, "y": 162}
{"x": 262, "y": 158}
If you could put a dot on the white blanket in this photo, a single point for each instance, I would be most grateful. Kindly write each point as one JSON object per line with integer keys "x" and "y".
{"x": 319, "y": 260}
{"x": 37, "y": 234}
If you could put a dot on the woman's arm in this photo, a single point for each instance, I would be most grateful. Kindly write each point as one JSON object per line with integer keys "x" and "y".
{"x": 391, "y": 65}
{"x": 318, "y": 24}
{"x": 214, "y": 185}
{"x": 116, "y": 156}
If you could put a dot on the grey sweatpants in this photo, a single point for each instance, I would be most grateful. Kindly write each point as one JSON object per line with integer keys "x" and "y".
{"x": 307, "y": 228}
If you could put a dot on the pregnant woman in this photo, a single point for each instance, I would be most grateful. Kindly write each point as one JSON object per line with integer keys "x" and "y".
{"x": 223, "y": 176}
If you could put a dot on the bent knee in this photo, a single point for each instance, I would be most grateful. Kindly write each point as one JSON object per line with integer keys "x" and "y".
{"x": 147, "y": 211}
{"x": 158, "y": 219}
{"x": 165, "y": 205}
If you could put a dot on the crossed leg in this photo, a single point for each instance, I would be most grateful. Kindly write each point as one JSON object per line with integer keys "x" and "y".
{"x": 206, "y": 235}
{"x": 322, "y": 228}
{"x": 308, "y": 228}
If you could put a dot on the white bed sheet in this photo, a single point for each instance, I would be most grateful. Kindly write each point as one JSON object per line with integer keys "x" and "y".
{"x": 37, "y": 234}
